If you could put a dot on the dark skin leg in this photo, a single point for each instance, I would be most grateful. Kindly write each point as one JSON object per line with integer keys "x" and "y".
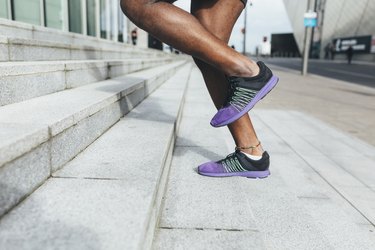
{"x": 219, "y": 17}
{"x": 183, "y": 31}
{"x": 203, "y": 40}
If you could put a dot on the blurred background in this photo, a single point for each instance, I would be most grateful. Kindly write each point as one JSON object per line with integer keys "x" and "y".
{"x": 276, "y": 22}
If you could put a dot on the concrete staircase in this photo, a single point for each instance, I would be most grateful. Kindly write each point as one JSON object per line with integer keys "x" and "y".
{"x": 59, "y": 93}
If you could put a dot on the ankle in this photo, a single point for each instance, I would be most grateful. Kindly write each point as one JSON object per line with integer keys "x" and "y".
{"x": 245, "y": 68}
{"x": 256, "y": 150}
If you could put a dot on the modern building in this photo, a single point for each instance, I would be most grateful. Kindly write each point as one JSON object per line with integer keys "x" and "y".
{"x": 341, "y": 23}
{"x": 97, "y": 18}
{"x": 284, "y": 45}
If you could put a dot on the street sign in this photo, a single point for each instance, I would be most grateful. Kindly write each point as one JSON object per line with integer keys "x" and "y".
{"x": 310, "y": 19}
{"x": 360, "y": 44}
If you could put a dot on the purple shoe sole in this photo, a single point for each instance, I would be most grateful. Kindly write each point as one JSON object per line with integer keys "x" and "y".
{"x": 248, "y": 174}
{"x": 261, "y": 94}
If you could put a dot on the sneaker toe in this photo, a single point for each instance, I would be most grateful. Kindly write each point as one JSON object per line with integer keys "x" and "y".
{"x": 223, "y": 115}
{"x": 211, "y": 168}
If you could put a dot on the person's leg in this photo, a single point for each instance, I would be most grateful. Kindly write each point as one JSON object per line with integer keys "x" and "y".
{"x": 166, "y": 22}
{"x": 219, "y": 17}
{"x": 249, "y": 81}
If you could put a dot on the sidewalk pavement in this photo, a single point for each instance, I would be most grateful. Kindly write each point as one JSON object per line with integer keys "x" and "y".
{"x": 348, "y": 107}
{"x": 320, "y": 195}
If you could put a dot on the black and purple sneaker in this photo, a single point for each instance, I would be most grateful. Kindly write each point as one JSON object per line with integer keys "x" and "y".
{"x": 244, "y": 93}
{"x": 237, "y": 164}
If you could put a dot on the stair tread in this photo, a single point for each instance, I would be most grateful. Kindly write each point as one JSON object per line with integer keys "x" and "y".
{"x": 16, "y": 139}
{"x": 61, "y": 110}
{"x": 21, "y": 49}
{"x": 32, "y": 67}
{"x": 20, "y": 81}
{"x": 19, "y": 30}
{"x": 110, "y": 188}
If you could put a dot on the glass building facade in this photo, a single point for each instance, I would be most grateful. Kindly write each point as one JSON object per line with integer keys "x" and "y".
{"x": 22, "y": 13}
{"x": 4, "y": 9}
{"x": 53, "y": 14}
{"x": 336, "y": 19}
{"x": 98, "y": 18}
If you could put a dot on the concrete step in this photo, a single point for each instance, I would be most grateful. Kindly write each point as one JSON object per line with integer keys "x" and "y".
{"x": 14, "y": 29}
{"x": 39, "y": 136}
{"x": 21, "y": 81}
{"x": 295, "y": 208}
{"x": 17, "y": 49}
{"x": 109, "y": 196}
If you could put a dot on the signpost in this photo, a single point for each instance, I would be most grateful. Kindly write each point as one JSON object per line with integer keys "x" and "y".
{"x": 310, "y": 21}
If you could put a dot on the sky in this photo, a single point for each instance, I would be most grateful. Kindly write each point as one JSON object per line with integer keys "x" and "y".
{"x": 264, "y": 17}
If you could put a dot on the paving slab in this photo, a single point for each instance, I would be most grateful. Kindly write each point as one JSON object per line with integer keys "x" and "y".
{"x": 358, "y": 145}
{"x": 297, "y": 207}
{"x": 345, "y": 106}
{"x": 322, "y": 161}
{"x": 203, "y": 239}
{"x": 238, "y": 205}
{"x": 193, "y": 201}
{"x": 343, "y": 225}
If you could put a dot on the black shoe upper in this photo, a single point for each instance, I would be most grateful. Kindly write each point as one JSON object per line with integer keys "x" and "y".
{"x": 254, "y": 165}
{"x": 256, "y": 82}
